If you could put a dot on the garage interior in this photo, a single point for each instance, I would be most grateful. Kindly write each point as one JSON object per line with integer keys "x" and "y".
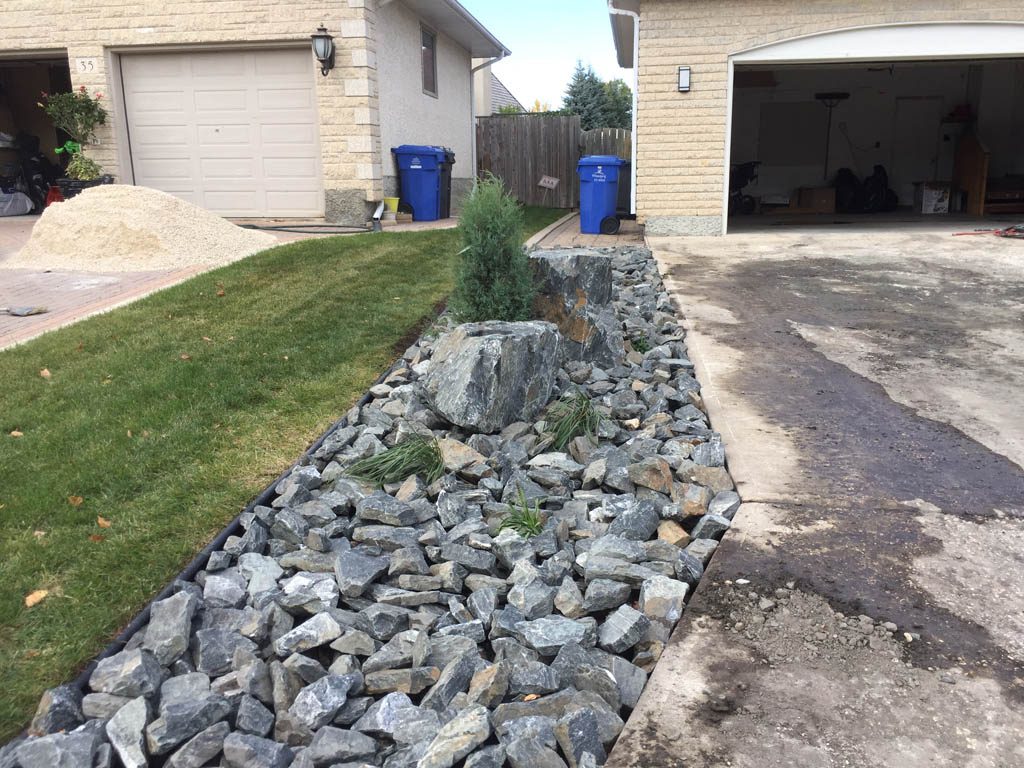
{"x": 28, "y": 163}
{"x": 888, "y": 142}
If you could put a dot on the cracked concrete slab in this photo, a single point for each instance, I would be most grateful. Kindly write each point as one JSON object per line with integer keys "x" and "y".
{"x": 867, "y": 389}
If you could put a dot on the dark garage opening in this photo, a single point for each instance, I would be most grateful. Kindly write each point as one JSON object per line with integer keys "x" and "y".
{"x": 909, "y": 141}
{"x": 28, "y": 162}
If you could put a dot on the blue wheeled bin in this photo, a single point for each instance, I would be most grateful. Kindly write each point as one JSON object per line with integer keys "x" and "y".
{"x": 599, "y": 192}
{"x": 420, "y": 170}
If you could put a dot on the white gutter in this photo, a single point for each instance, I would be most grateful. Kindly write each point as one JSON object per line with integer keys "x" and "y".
{"x": 488, "y": 63}
{"x": 472, "y": 99}
{"x": 471, "y": 19}
{"x": 636, "y": 93}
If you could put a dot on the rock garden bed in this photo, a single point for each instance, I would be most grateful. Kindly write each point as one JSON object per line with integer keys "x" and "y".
{"x": 498, "y": 598}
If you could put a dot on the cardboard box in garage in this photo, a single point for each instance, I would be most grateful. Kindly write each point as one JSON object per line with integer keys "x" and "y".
{"x": 817, "y": 199}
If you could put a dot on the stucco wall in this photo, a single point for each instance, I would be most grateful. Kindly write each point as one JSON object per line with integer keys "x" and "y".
{"x": 346, "y": 98}
{"x": 410, "y": 116}
{"x": 681, "y": 137}
{"x": 482, "y": 103}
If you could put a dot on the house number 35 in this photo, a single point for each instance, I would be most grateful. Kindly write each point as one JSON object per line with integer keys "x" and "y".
{"x": 86, "y": 66}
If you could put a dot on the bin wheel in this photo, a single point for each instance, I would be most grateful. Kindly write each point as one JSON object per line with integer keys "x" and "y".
{"x": 609, "y": 225}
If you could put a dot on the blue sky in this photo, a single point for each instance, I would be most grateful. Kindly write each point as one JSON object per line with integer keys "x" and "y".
{"x": 546, "y": 37}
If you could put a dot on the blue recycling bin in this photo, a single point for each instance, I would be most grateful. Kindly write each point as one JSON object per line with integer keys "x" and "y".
{"x": 420, "y": 169}
{"x": 599, "y": 191}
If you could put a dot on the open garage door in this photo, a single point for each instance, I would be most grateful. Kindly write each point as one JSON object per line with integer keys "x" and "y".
{"x": 897, "y": 138}
{"x": 231, "y": 131}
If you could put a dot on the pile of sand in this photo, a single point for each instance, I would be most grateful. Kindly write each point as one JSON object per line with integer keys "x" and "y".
{"x": 119, "y": 228}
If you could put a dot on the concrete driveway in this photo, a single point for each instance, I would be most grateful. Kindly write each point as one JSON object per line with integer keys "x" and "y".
{"x": 867, "y": 608}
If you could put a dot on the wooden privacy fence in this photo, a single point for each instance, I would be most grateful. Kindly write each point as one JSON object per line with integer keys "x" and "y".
{"x": 607, "y": 141}
{"x": 521, "y": 149}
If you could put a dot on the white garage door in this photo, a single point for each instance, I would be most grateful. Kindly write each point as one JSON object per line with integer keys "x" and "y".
{"x": 231, "y": 131}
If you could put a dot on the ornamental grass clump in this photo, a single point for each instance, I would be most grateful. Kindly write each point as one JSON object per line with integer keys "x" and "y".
{"x": 525, "y": 520}
{"x": 572, "y": 416}
{"x": 418, "y": 455}
{"x": 493, "y": 281}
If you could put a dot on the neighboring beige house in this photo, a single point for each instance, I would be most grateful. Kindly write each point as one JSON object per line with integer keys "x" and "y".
{"x": 223, "y": 104}
{"x": 728, "y": 81}
{"x": 490, "y": 94}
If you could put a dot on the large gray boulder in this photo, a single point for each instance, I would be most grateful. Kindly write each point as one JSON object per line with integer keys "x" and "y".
{"x": 485, "y": 376}
{"x": 574, "y": 291}
{"x": 573, "y": 275}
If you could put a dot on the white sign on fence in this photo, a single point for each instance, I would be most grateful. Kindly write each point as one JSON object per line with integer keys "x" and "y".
{"x": 548, "y": 182}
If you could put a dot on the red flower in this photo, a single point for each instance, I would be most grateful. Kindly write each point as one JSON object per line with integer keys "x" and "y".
{"x": 44, "y": 95}
{"x": 99, "y": 95}
{"x": 81, "y": 88}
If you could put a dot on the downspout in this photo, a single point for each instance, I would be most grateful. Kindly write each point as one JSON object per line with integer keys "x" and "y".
{"x": 472, "y": 100}
{"x": 636, "y": 93}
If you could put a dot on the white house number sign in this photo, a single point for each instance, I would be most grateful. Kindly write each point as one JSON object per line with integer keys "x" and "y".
{"x": 87, "y": 65}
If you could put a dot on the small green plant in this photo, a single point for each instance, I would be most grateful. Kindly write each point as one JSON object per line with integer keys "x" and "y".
{"x": 82, "y": 168}
{"x": 641, "y": 344}
{"x": 418, "y": 455}
{"x": 525, "y": 520}
{"x": 572, "y": 416}
{"x": 493, "y": 281}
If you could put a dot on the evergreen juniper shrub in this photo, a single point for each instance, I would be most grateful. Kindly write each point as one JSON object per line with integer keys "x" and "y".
{"x": 493, "y": 280}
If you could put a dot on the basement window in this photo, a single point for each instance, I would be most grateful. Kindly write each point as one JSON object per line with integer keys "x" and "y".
{"x": 428, "y": 52}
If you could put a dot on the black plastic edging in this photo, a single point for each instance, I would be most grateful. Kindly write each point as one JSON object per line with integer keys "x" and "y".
{"x": 189, "y": 572}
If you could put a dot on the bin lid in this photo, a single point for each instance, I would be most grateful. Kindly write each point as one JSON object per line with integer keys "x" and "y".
{"x": 419, "y": 149}
{"x": 587, "y": 160}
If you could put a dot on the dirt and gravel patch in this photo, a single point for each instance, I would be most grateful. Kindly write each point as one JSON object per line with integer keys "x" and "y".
{"x": 121, "y": 228}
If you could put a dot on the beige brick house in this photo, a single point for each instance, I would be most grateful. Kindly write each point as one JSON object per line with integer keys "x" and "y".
{"x": 727, "y": 81}
{"x": 223, "y": 103}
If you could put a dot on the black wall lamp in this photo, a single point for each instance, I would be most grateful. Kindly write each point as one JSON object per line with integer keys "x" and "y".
{"x": 323, "y": 49}
{"x": 684, "y": 79}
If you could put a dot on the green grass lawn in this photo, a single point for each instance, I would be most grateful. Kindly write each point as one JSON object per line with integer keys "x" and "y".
{"x": 153, "y": 425}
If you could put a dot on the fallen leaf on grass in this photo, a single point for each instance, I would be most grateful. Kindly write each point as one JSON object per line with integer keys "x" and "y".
{"x": 207, "y": 339}
{"x": 45, "y": 373}
{"x": 102, "y": 522}
{"x": 129, "y": 433}
{"x": 75, "y": 501}
{"x": 36, "y": 597}
{"x": 39, "y": 534}
{"x": 220, "y": 291}
{"x": 95, "y": 537}
{"x": 17, "y": 433}
{"x": 185, "y": 356}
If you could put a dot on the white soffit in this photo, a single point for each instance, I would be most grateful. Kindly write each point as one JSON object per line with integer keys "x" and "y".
{"x": 449, "y": 17}
{"x": 622, "y": 30}
{"x": 892, "y": 42}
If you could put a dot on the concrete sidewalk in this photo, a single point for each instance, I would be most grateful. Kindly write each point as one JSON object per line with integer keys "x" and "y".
{"x": 867, "y": 608}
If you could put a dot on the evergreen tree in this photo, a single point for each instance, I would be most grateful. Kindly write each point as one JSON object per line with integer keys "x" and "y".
{"x": 493, "y": 279}
{"x": 586, "y": 97}
{"x": 618, "y": 105}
